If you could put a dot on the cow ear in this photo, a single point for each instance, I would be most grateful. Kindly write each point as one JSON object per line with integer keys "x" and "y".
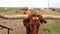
{"x": 42, "y": 20}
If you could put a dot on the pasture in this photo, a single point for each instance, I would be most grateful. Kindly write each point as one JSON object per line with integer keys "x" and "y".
{"x": 8, "y": 9}
{"x": 52, "y": 26}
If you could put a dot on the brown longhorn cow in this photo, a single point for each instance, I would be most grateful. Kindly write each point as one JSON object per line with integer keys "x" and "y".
{"x": 32, "y": 23}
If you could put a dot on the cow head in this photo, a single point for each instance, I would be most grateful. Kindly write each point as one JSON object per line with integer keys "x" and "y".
{"x": 35, "y": 20}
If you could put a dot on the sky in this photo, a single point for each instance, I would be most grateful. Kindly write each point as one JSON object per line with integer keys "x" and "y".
{"x": 30, "y": 3}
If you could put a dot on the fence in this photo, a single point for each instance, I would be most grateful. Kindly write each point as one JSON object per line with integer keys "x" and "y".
{"x": 8, "y": 29}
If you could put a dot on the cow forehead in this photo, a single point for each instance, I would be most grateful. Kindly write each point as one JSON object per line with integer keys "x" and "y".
{"x": 35, "y": 18}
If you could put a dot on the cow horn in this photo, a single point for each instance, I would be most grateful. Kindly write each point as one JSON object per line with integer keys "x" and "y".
{"x": 54, "y": 17}
{"x": 21, "y": 16}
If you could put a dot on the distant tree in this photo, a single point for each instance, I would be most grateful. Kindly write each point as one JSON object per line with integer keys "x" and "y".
{"x": 53, "y": 9}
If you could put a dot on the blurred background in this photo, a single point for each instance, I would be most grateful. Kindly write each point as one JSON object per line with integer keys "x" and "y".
{"x": 43, "y": 7}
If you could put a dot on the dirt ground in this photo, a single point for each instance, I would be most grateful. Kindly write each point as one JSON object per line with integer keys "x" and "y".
{"x": 17, "y": 25}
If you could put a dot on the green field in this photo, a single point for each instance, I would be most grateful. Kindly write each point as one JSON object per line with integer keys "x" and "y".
{"x": 11, "y": 9}
{"x": 53, "y": 28}
{"x": 8, "y": 9}
{"x": 36, "y": 9}
{"x": 14, "y": 9}
{"x": 1, "y": 9}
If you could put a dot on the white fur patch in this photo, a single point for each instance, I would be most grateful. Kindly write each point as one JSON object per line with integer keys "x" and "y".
{"x": 35, "y": 18}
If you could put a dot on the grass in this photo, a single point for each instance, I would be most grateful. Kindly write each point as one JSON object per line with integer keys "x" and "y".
{"x": 37, "y": 9}
{"x": 54, "y": 27}
{"x": 1, "y": 9}
{"x": 11, "y": 9}
{"x": 8, "y": 9}
{"x": 56, "y": 9}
